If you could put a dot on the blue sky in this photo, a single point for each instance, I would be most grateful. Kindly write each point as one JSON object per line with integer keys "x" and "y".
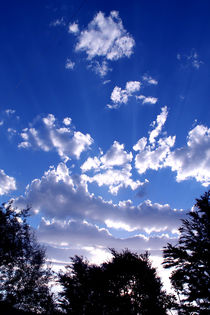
{"x": 104, "y": 120}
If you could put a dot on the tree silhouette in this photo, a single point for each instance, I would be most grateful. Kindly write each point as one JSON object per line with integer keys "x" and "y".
{"x": 125, "y": 285}
{"x": 191, "y": 260}
{"x": 23, "y": 276}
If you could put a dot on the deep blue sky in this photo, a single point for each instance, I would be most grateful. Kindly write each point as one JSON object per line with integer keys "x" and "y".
{"x": 43, "y": 70}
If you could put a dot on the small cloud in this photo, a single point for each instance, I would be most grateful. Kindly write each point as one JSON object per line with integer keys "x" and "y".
{"x": 9, "y": 111}
{"x": 69, "y": 64}
{"x": 67, "y": 121}
{"x": 120, "y": 96}
{"x": 149, "y": 79}
{"x": 11, "y": 131}
{"x": 7, "y": 183}
{"x": 106, "y": 82}
{"x": 147, "y": 99}
{"x": 191, "y": 59}
{"x": 1, "y": 122}
{"x": 73, "y": 28}
{"x": 58, "y": 22}
{"x": 100, "y": 68}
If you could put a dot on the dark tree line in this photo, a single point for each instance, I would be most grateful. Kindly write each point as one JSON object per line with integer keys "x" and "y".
{"x": 127, "y": 284}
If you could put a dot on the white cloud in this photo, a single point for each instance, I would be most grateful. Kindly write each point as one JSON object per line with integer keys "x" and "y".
{"x": 74, "y": 28}
{"x": 7, "y": 183}
{"x": 58, "y": 22}
{"x": 67, "y": 121}
{"x": 153, "y": 158}
{"x": 193, "y": 160}
{"x": 152, "y": 154}
{"x": 159, "y": 122}
{"x": 9, "y": 111}
{"x": 100, "y": 68}
{"x": 82, "y": 234}
{"x": 147, "y": 99}
{"x": 69, "y": 64}
{"x": 120, "y": 96}
{"x": 105, "y": 37}
{"x": 59, "y": 195}
{"x": 149, "y": 79}
{"x": 112, "y": 169}
{"x": 49, "y": 135}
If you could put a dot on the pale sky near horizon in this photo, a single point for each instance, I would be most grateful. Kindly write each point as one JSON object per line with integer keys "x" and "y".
{"x": 104, "y": 120}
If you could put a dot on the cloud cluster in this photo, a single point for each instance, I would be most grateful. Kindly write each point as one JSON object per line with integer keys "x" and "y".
{"x": 59, "y": 195}
{"x": 193, "y": 160}
{"x": 7, "y": 183}
{"x": 82, "y": 234}
{"x": 112, "y": 169}
{"x": 104, "y": 39}
{"x": 152, "y": 154}
{"x": 120, "y": 96}
{"x": 48, "y": 134}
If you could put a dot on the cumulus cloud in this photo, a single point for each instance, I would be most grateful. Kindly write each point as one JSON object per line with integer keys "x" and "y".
{"x": 120, "y": 96}
{"x": 7, "y": 183}
{"x": 153, "y": 157}
{"x": 152, "y": 154}
{"x": 100, "y": 68}
{"x": 158, "y": 124}
{"x": 49, "y": 134}
{"x": 105, "y": 37}
{"x": 112, "y": 169}
{"x": 59, "y": 195}
{"x": 69, "y": 64}
{"x": 193, "y": 160}
{"x": 147, "y": 99}
{"x": 74, "y": 28}
{"x": 147, "y": 78}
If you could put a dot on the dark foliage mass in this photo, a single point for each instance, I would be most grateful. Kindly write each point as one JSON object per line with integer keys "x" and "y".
{"x": 190, "y": 259}
{"x": 23, "y": 276}
{"x": 125, "y": 285}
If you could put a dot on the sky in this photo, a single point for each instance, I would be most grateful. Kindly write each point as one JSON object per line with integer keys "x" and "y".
{"x": 104, "y": 121}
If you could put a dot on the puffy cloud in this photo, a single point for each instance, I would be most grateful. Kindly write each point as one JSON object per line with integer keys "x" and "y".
{"x": 49, "y": 135}
{"x": 100, "y": 68}
{"x": 59, "y": 195}
{"x": 120, "y": 96}
{"x": 74, "y": 28}
{"x": 147, "y": 78}
{"x": 152, "y": 154}
{"x": 7, "y": 183}
{"x": 193, "y": 160}
{"x": 69, "y": 64}
{"x": 153, "y": 158}
{"x": 147, "y": 99}
{"x": 159, "y": 122}
{"x": 105, "y": 37}
{"x": 112, "y": 169}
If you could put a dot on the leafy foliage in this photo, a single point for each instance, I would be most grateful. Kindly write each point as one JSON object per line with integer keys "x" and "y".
{"x": 191, "y": 260}
{"x": 125, "y": 285}
{"x": 23, "y": 276}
